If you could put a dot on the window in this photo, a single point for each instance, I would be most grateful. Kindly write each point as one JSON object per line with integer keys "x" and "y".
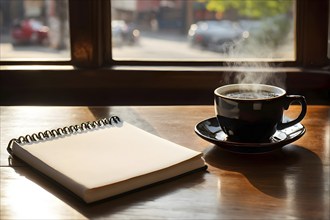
{"x": 329, "y": 33}
{"x": 203, "y": 30}
{"x": 97, "y": 72}
{"x": 34, "y": 30}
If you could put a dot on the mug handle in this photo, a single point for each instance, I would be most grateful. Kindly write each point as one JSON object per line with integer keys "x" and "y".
{"x": 288, "y": 101}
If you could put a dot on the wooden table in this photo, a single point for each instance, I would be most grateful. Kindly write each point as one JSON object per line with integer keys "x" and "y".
{"x": 291, "y": 183}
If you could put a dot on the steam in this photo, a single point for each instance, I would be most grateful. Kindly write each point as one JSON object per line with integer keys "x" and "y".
{"x": 251, "y": 72}
{"x": 256, "y": 73}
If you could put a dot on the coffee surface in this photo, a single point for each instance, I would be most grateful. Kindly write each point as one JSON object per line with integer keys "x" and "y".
{"x": 249, "y": 94}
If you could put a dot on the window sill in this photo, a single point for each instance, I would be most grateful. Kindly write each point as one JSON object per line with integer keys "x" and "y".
{"x": 115, "y": 68}
{"x": 140, "y": 85}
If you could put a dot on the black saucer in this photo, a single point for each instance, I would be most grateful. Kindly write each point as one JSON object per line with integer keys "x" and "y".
{"x": 210, "y": 130}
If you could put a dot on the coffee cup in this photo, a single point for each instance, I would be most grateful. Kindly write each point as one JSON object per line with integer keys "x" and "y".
{"x": 254, "y": 112}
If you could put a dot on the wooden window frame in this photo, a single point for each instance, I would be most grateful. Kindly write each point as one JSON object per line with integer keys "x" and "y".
{"x": 92, "y": 77}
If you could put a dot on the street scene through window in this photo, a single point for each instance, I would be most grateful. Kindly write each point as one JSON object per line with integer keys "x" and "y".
{"x": 34, "y": 30}
{"x": 203, "y": 30}
{"x": 165, "y": 30}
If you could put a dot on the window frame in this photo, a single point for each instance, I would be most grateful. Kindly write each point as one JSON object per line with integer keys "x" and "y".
{"x": 96, "y": 74}
{"x": 312, "y": 27}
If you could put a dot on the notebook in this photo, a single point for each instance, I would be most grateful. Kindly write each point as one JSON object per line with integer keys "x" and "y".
{"x": 104, "y": 158}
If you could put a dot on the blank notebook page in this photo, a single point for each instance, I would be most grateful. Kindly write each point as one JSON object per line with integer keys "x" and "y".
{"x": 107, "y": 155}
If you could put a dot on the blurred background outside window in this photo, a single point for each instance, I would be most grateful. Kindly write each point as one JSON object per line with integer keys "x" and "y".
{"x": 179, "y": 30}
{"x": 203, "y": 30}
{"x": 329, "y": 32}
{"x": 34, "y": 30}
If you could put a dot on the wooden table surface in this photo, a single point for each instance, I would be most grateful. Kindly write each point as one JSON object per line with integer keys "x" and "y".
{"x": 291, "y": 183}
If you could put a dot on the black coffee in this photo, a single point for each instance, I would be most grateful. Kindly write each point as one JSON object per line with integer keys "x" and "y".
{"x": 248, "y": 94}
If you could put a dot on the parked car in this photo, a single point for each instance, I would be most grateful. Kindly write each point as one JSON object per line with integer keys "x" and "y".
{"x": 273, "y": 31}
{"x": 29, "y": 31}
{"x": 123, "y": 33}
{"x": 216, "y": 35}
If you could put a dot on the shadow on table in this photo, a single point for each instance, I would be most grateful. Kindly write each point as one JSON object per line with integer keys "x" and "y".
{"x": 293, "y": 172}
{"x": 124, "y": 113}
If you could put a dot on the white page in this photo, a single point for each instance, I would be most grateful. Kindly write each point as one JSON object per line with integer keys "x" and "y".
{"x": 104, "y": 156}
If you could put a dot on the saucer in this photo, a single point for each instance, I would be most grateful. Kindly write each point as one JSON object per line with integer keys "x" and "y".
{"x": 210, "y": 130}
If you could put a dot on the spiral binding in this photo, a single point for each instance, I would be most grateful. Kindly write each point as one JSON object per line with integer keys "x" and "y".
{"x": 49, "y": 134}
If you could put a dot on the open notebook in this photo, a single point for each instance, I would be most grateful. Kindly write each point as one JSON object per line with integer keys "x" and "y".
{"x": 96, "y": 161}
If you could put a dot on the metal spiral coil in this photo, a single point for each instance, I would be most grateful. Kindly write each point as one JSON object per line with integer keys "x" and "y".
{"x": 49, "y": 134}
